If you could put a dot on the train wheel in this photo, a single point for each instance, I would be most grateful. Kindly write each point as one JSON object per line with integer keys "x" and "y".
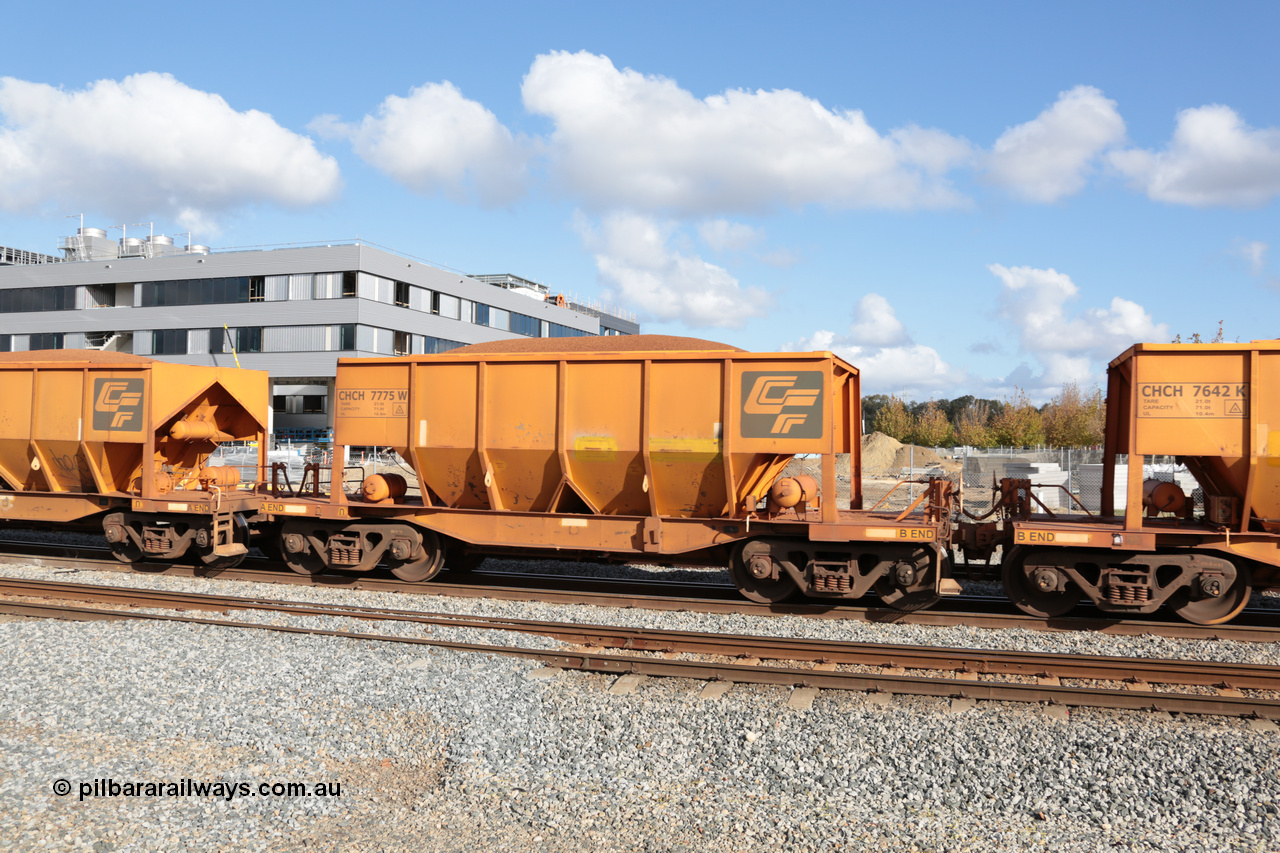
{"x": 909, "y": 583}
{"x": 1216, "y": 610}
{"x": 423, "y": 564}
{"x": 126, "y": 552}
{"x": 1024, "y": 589}
{"x": 764, "y": 590}
{"x": 123, "y": 548}
{"x": 298, "y": 543}
{"x": 305, "y": 564}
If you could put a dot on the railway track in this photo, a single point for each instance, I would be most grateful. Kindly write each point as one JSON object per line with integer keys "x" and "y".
{"x": 974, "y": 611}
{"x": 810, "y": 664}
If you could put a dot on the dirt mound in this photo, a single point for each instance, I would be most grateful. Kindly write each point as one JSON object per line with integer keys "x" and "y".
{"x": 879, "y": 452}
{"x": 882, "y": 455}
{"x": 913, "y": 456}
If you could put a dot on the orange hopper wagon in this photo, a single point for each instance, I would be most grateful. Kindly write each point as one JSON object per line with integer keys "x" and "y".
{"x": 122, "y": 441}
{"x": 645, "y": 448}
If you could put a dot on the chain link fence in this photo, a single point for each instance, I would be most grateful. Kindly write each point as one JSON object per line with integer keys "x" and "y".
{"x": 1067, "y": 481}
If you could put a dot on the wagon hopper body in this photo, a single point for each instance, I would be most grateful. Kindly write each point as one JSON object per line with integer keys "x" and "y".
{"x": 619, "y": 450}
{"x": 122, "y": 441}
{"x": 1216, "y": 407}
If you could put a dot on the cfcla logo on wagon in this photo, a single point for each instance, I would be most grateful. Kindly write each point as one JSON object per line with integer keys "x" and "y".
{"x": 776, "y": 404}
{"x": 117, "y": 404}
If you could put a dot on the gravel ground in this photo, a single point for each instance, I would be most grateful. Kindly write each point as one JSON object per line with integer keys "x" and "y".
{"x": 436, "y": 750}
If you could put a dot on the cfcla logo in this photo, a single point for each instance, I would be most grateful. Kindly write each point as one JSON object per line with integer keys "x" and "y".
{"x": 118, "y": 404}
{"x": 767, "y": 398}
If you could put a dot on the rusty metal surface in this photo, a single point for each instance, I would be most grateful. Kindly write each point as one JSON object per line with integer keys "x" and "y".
{"x": 1216, "y": 406}
{"x": 636, "y": 433}
{"x": 857, "y": 681}
{"x": 84, "y": 422}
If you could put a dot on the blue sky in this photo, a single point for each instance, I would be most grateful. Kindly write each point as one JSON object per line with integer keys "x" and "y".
{"x": 959, "y": 198}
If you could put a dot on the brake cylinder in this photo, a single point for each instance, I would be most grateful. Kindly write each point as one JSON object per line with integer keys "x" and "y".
{"x": 383, "y": 487}
{"x": 1162, "y": 496}
{"x": 219, "y": 475}
{"x": 788, "y": 492}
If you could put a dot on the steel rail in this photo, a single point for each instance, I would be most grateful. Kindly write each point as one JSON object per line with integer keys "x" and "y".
{"x": 1237, "y": 706}
{"x": 540, "y": 588}
{"x": 960, "y": 660}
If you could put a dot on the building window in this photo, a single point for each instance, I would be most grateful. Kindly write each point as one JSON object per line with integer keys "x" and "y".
{"x": 432, "y": 346}
{"x": 523, "y": 324}
{"x": 299, "y": 404}
{"x": 6, "y": 343}
{"x": 555, "y": 330}
{"x": 202, "y": 291}
{"x": 169, "y": 342}
{"x": 22, "y": 299}
{"x": 350, "y": 285}
{"x": 402, "y": 294}
{"x": 347, "y": 336}
{"x": 249, "y": 339}
{"x": 46, "y": 341}
{"x": 481, "y": 317}
{"x": 400, "y": 343}
{"x": 445, "y": 305}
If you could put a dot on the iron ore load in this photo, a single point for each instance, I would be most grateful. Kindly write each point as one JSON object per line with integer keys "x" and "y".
{"x": 648, "y": 448}
{"x": 121, "y": 443}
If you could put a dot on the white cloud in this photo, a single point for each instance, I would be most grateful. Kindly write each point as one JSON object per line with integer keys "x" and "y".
{"x": 436, "y": 140}
{"x": 725, "y": 236}
{"x": 1051, "y": 156}
{"x": 888, "y": 360}
{"x": 1214, "y": 158}
{"x": 147, "y": 145}
{"x": 638, "y": 267}
{"x": 1253, "y": 252}
{"x": 876, "y": 324}
{"x": 780, "y": 258}
{"x": 1035, "y": 301}
{"x": 625, "y": 139}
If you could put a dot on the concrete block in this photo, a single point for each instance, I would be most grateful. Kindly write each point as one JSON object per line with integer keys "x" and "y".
{"x": 626, "y": 684}
{"x": 801, "y": 698}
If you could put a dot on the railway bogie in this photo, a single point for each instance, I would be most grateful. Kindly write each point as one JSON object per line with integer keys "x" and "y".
{"x": 411, "y": 553}
{"x": 773, "y": 569}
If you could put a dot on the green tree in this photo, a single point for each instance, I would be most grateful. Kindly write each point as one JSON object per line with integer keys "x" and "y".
{"x": 871, "y": 406}
{"x": 1073, "y": 419}
{"x": 1019, "y": 424}
{"x": 893, "y": 419}
{"x": 931, "y": 427}
{"x": 973, "y": 425}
